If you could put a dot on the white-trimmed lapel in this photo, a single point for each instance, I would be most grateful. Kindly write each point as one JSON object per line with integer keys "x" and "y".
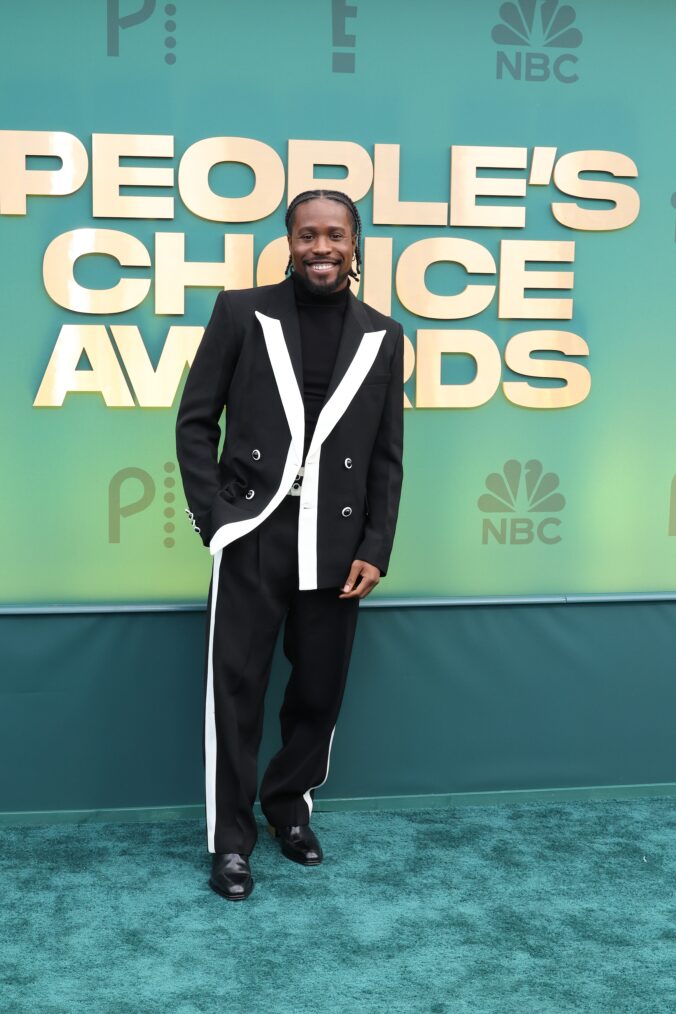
{"x": 283, "y": 343}
{"x": 333, "y": 409}
{"x": 356, "y": 354}
{"x": 286, "y": 379}
{"x": 292, "y": 402}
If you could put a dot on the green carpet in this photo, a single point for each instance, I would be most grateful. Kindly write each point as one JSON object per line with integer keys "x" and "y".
{"x": 529, "y": 908}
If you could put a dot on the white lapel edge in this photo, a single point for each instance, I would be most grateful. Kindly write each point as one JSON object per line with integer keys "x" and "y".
{"x": 332, "y": 411}
{"x": 285, "y": 378}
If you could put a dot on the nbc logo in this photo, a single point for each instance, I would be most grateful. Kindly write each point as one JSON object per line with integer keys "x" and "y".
{"x": 526, "y": 489}
{"x": 537, "y": 25}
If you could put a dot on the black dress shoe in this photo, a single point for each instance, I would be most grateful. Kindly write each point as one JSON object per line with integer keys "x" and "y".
{"x": 231, "y": 876}
{"x": 299, "y": 842}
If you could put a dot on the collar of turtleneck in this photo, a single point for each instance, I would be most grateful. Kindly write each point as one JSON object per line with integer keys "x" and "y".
{"x": 305, "y": 296}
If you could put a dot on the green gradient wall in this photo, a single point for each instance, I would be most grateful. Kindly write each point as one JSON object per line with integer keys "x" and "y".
{"x": 102, "y": 712}
{"x": 425, "y": 77}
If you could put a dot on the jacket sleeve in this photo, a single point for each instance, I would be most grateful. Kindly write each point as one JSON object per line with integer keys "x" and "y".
{"x": 385, "y": 475}
{"x": 197, "y": 424}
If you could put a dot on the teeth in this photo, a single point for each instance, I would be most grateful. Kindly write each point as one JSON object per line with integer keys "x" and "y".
{"x": 321, "y": 267}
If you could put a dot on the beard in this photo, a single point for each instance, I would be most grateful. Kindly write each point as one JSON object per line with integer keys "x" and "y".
{"x": 324, "y": 288}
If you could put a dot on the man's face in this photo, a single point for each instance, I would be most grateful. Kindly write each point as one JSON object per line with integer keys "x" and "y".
{"x": 322, "y": 244}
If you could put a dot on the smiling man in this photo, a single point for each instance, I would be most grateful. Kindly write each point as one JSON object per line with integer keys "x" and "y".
{"x": 298, "y": 511}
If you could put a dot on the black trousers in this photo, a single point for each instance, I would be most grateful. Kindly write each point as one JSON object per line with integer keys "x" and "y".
{"x": 253, "y": 589}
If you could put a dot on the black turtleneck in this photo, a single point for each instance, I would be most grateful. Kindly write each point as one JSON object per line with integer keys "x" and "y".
{"x": 321, "y": 322}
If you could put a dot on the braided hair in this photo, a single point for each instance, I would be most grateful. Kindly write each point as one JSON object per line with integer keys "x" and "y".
{"x": 331, "y": 195}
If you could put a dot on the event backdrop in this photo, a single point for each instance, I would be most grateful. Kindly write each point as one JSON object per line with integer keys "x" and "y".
{"x": 514, "y": 168}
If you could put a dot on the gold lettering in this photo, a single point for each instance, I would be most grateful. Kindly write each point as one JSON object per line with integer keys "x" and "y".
{"x": 431, "y": 345}
{"x": 378, "y": 273}
{"x": 62, "y": 374}
{"x": 272, "y": 262}
{"x": 17, "y": 182}
{"x": 156, "y": 388}
{"x": 409, "y": 366}
{"x": 567, "y": 178}
{"x": 108, "y": 175}
{"x": 387, "y": 208}
{"x": 466, "y": 186}
{"x": 416, "y": 297}
{"x": 65, "y": 250}
{"x": 200, "y": 158}
{"x": 515, "y": 279}
{"x": 173, "y": 274}
{"x": 576, "y": 376}
{"x": 304, "y": 156}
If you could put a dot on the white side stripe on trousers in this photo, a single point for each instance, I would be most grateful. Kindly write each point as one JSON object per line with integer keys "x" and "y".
{"x": 210, "y": 716}
{"x": 306, "y": 795}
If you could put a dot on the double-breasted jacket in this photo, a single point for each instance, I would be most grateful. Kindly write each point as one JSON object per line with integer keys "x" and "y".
{"x": 249, "y": 364}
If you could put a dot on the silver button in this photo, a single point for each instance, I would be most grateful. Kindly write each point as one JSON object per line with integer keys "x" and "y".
{"x": 256, "y": 454}
{"x": 250, "y": 494}
{"x": 346, "y": 511}
{"x": 348, "y": 462}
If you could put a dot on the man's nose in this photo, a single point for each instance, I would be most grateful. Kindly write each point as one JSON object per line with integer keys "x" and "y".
{"x": 322, "y": 244}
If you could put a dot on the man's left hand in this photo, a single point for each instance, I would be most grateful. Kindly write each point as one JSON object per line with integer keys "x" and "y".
{"x": 362, "y": 579}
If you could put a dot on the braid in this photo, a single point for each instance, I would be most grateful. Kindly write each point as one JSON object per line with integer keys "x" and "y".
{"x": 331, "y": 195}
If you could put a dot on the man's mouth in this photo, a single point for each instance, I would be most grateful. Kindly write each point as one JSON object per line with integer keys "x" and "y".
{"x": 320, "y": 266}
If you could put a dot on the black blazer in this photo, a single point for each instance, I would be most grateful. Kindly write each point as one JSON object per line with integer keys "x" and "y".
{"x": 249, "y": 361}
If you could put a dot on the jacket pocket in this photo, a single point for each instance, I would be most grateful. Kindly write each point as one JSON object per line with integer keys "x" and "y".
{"x": 232, "y": 491}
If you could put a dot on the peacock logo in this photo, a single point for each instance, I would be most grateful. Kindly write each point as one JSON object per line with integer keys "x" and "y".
{"x": 131, "y": 491}
{"x": 537, "y": 25}
{"x": 521, "y": 490}
{"x": 520, "y": 27}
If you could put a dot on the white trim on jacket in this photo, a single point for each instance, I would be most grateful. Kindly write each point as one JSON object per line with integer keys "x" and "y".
{"x": 295, "y": 415}
{"x": 330, "y": 414}
{"x": 328, "y": 417}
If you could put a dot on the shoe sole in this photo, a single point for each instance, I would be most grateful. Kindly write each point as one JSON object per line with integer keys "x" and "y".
{"x": 231, "y": 897}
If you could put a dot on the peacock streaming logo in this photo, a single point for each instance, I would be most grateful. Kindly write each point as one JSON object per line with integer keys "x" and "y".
{"x": 515, "y": 494}
{"x": 529, "y": 28}
{"x": 131, "y": 491}
{"x": 118, "y": 22}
